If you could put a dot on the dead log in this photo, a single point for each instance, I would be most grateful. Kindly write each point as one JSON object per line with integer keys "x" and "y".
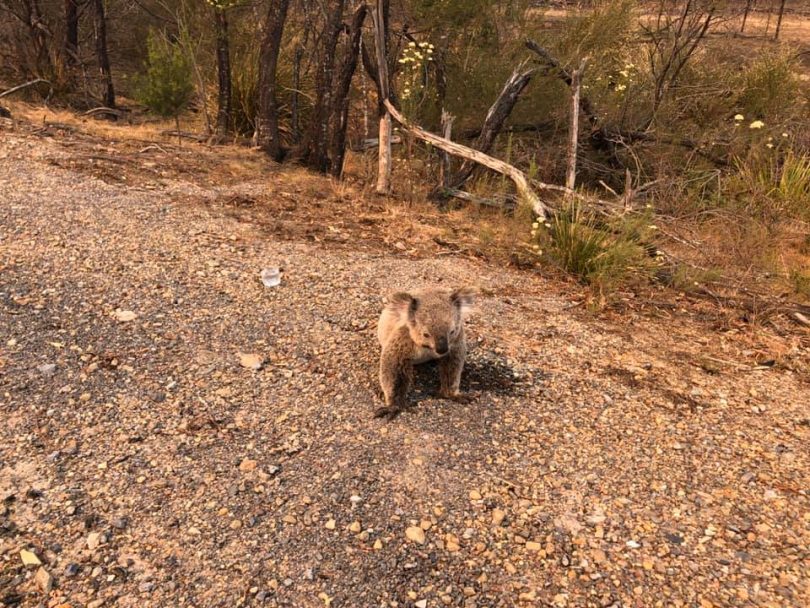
{"x": 516, "y": 175}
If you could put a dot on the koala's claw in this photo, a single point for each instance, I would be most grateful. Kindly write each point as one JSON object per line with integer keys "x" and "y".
{"x": 389, "y": 413}
{"x": 457, "y": 397}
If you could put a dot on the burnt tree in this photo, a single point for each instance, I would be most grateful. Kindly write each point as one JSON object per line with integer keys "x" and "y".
{"x": 267, "y": 111}
{"x": 223, "y": 72}
{"x": 100, "y": 24}
{"x": 316, "y": 146}
{"x": 71, "y": 46}
{"x": 340, "y": 111}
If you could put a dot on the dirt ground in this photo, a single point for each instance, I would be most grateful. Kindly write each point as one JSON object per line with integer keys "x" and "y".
{"x": 633, "y": 458}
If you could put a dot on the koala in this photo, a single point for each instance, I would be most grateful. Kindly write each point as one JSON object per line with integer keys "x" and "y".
{"x": 417, "y": 327}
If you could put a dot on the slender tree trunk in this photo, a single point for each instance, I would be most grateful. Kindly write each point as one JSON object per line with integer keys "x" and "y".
{"x": 267, "y": 119}
{"x": 779, "y": 20}
{"x": 748, "y": 5}
{"x": 71, "y": 33}
{"x": 317, "y": 145}
{"x": 224, "y": 73}
{"x": 447, "y": 133}
{"x": 340, "y": 117}
{"x": 573, "y": 132}
{"x": 380, "y": 17}
{"x": 101, "y": 53}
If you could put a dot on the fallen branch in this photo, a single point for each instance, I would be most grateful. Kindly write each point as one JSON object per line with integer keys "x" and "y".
{"x": 516, "y": 175}
{"x": 477, "y": 200}
{"x": 104, "y": 110}
{"x": 23, "y": 86}
{"x": 151, "y": 147}
{"x": 184, "y": 134}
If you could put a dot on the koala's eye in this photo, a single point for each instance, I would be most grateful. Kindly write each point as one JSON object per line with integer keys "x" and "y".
{"x": 426, "y": 335}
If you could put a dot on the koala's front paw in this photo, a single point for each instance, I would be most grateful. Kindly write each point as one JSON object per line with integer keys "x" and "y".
{"x": 457, "y": 397}
{"x": 387, "y": 412}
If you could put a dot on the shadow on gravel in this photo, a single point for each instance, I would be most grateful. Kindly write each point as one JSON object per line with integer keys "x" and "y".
{"x": 483, "y": 373}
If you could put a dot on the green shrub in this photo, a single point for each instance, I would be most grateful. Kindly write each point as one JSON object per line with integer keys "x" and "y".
{"x": 604, "y": 253}
{"x": 166, "y": 87}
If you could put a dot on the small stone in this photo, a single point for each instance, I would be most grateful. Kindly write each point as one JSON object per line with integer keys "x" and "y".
{"x": 289, "y": 519}
{"x": 146, "y": 587}
{"x": 420, "y": 604}
{"x": 378, "y": 544}
{"x": 632, "y": 544}
{"x": 29, "y": 559}
{"x": 247, "y": 465}
{"x": 528, "y": 596}
{"x": 498, "y": 515}
{"x": 451, "y": 543}
{"x": 475, "y": 495}
{"x": 71, "y": 570}
{"x": 648, "y": 564}
{"x": 125, "y": 315}
{"x": 235, "y": 524}
{"x": 330, "y": 524}
{"x": 533, "y": 546}
{"x": 251, "y": 361}
{"x": 93, "y": 540}
{"x": 355, "y": 527}
{"x": 47, "y": 369}
{"x": 43, "y": 580}
{"x": 415, "y": 534}
{"x": 510, "y": 567}
{"x": 425, "y": 524}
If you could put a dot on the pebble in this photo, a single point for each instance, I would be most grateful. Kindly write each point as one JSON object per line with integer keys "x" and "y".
{"x": 498, "y": 515}
{"x": 415, "y": 534}
{"x": 43, "y": 580}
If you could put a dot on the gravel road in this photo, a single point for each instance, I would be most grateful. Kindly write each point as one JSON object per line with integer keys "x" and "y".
{"x": 602, "y": 463}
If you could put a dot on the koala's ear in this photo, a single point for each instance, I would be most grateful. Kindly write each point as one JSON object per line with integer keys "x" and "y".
{"x": 464, "y": 298}
{"x": 403, "y": 302}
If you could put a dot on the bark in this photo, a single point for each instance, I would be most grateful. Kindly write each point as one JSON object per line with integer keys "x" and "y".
{"x": 71, "y": 49}
{"x": 340, "y": 114}
{"x": 384, "y": 162}
{"x": 495, "y": 119}
{"x": 101, "y": 53}
{"x": 573, "y": 132}
{"x": 316, "y": 150}
{"x": 267, "y": 120}
{"x": 223, "y": 72}
{"x": 447, "y": 133}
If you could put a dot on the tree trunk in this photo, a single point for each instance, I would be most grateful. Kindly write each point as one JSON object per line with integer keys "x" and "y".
{"x": 748, "y": 5}
{"x": 340, "y": 117}
{"x": 316, "y": 150}
{"x": 71, "y": 48}
{"x": 495, "y": 119}
{"x": 779, "y": 20}
{"x": 267, "y": 119}
{"x": 573, "y": 132}
{"x": 383, "y": 91}
{"x": 101, "y": 53}
{"x": 224, "y": 73}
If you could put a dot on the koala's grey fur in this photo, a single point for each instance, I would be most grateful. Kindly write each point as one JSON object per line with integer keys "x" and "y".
{"x": 417, "y": 327}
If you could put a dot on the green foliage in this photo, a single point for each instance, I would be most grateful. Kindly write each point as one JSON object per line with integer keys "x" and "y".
{"x": 801, "y": 282}
{"x": 769, "y": 86}
{"x": 166, "y": 87}
{"x": 601, "y": 253}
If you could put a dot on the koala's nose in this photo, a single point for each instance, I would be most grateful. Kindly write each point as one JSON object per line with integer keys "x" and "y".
{"x": 441, "y": 346}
